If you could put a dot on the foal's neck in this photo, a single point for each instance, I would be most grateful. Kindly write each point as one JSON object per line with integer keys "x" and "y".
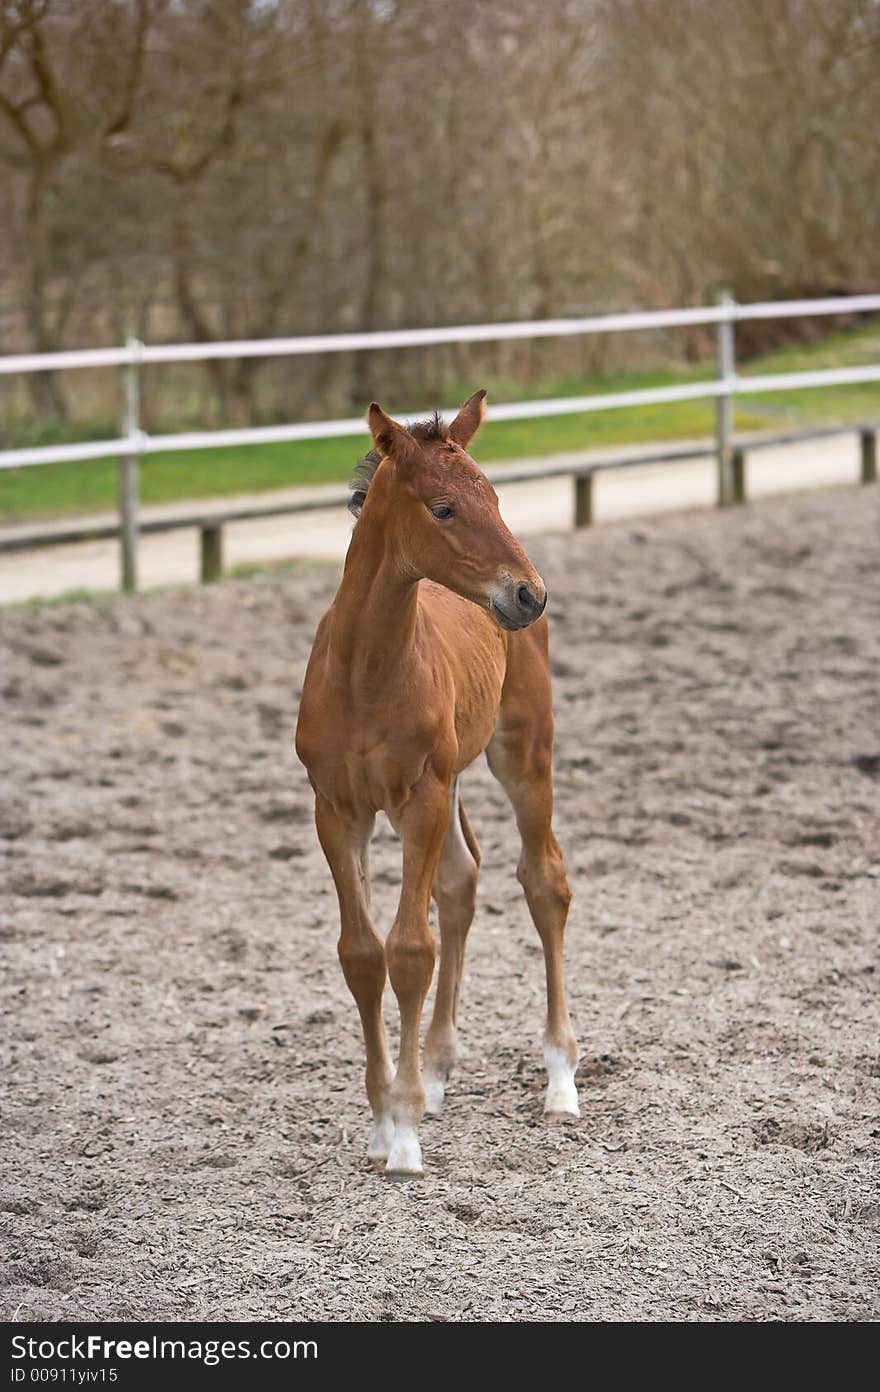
{"x": 374, "y": 613}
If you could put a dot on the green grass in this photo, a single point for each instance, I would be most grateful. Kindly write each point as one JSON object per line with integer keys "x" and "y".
{"x": 91, "y": 486}
{"x": 75, "y": 596}
{"x": 860, "y": 401}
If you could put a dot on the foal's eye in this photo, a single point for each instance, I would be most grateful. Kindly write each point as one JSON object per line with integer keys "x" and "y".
{"x": 442, "y": 512}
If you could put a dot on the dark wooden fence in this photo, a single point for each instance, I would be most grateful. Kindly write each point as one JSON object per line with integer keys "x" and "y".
{"x": 210, "y": 524}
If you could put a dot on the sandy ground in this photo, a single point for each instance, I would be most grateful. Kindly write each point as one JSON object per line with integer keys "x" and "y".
{"x": 184, "y": 1124}
{"x": 171, "y": 558}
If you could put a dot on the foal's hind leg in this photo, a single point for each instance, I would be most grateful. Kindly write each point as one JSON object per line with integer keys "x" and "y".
{"x": 455, "y": 892}
{"x": 409, "y": 949}
{"x": 520, "y": 755}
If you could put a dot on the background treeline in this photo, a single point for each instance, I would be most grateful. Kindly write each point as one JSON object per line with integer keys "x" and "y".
{"x": 201, "y": 169}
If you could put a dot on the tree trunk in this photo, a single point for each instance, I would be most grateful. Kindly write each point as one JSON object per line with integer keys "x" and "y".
{"x": 364, "y": 385}
{"x": 45, "y": 387}
{"x": 188, "y": 305}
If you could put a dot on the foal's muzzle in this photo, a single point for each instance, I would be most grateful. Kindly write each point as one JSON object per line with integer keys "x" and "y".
{"x": 518, "y": 605}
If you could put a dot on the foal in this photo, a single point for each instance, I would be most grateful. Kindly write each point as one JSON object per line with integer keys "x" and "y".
{"x": 433, "y": 650}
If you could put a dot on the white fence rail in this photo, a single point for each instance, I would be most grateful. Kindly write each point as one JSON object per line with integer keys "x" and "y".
{"x": 134, "y": 442}
{"x": 142, "y": 443}
{"x": 136, "y": 353}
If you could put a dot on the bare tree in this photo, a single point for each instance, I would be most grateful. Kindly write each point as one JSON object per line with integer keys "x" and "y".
{"x": 225, "y": 168}
{"x": 47, "y": 114}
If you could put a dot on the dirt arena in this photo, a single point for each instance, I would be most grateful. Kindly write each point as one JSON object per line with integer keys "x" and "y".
{"x": 184, "y": 1122}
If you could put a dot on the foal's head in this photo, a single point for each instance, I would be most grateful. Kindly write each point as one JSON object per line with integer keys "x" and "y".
{"x": 441, "y": 514}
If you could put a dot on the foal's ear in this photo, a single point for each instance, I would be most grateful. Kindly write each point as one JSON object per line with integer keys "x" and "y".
{"x": 469, "y": 419}
{"x": 391, "y": 438}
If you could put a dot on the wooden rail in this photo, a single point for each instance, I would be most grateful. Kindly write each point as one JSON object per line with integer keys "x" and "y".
{"x": 723, "y": 389}
{"x": 210, "y": 523}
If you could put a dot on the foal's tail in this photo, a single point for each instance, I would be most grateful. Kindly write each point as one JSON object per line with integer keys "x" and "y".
{"x": 467, "y": 832}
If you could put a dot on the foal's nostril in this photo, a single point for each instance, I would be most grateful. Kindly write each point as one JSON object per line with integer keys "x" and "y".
{"x": 525, "y": 599}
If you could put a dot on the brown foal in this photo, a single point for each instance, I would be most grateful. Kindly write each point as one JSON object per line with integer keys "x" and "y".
{"x": 434, "y": 649}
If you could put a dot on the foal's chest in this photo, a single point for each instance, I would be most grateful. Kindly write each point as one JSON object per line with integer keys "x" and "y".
{"x": 371, "y": 768}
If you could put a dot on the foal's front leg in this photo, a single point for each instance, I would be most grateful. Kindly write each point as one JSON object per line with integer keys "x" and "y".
{"x": 409, "y": 950}
{"x": 362, "y": 957}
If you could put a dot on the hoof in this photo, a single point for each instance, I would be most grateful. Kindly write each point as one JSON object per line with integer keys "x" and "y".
{"x": 381, "y": 1139}
{"x": 405, "y": 1157}
{"x": 558, "y": 1115}
{"x": 401, "y": 1176}
{"x": 435, "y": 1091}
{"x": 562, "y": 1098}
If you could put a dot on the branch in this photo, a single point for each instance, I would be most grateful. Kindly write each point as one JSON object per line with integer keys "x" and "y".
{"x": 42, "y": 70}
{"x": 122, "y": 120}
{"x": 188, "y": 173}
{"x": 13, "y": 157}
{"x": 14, "y": 114}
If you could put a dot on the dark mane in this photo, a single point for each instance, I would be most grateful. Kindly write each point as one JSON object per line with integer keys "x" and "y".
{"x": 361, "y": 479}
{"x": 432, "y": 429}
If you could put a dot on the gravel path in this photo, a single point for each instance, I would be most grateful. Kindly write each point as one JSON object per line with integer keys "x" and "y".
{"x": 184, "y": 1124}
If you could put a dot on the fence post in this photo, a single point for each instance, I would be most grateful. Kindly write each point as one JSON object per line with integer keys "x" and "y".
{"x": 583, "y": 500}
{"x": 869, "y": 456}
{"x": 211, "y": 549}
{"x": 738, "y": 476}
{"x": 725, "y": 348}
{"x": 129, "y": 468}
